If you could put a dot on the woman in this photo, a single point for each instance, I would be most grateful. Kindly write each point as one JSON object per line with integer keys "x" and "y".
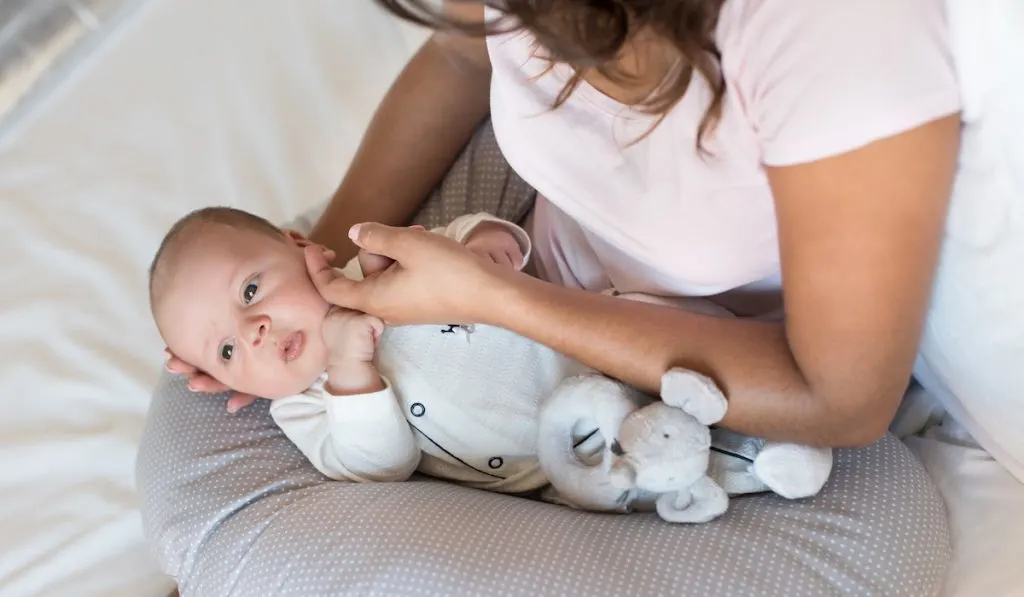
{"x": 685, "y": 147}
{"x": 739, "y": 150}
{"x": 746, "y": 151}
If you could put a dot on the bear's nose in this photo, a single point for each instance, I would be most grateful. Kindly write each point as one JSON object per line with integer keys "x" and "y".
{"x": 617, "y": 448}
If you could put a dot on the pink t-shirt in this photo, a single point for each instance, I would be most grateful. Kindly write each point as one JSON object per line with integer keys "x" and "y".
{"x": 807, "y": 79}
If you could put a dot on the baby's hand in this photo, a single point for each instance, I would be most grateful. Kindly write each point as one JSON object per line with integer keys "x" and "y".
{"x": 350, "y": 336}
{"x": 494, "y": 242}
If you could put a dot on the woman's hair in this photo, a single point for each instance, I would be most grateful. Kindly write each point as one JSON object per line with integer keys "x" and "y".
{"x": 590, "y": 34}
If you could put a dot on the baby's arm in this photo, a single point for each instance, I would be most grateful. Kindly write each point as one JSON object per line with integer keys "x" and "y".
{"x": 490, "y": 237}
{"x": 484, "y": 234}
{"x": 360, "y": 437}
{"x": 350, "y": 424}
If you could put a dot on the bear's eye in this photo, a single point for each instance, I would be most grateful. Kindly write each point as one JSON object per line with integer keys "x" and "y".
{"x": 667, "y": 436}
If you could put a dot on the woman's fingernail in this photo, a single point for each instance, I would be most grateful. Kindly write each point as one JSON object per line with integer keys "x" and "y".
{"x": 353, "y": 232}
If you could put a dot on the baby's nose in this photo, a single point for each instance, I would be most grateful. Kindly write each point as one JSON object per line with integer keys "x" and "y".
{"x": 259, "y": 328}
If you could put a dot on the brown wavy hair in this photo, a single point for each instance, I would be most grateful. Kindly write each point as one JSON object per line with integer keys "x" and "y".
{"x": 591, "y": 34}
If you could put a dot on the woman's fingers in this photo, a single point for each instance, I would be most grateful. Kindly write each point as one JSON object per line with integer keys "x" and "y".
{"x": 176, "y": 365}
{"x": 334, "y": 287}
{"x": 239, "y": 401}
{"x": 201, "y": 382}
{"x": 382, "y": 240}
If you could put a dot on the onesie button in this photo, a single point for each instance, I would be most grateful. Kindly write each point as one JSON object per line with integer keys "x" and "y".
{"x": 495, "y": 462}
{"x": 417, "y": 410}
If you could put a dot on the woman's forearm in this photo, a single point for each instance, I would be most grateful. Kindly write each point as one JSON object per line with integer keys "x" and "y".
{"x": 422, "y": 124}
{"x": 636, "y": 342}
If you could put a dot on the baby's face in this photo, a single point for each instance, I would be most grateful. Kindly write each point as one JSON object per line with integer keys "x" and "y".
{"x": 240, "y": 306}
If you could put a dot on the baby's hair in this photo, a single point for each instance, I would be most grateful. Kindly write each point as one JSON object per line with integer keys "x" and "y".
{"x": 185, "y": 229}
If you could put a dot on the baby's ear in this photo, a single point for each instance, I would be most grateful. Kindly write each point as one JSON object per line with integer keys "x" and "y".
{"x": 297, "y": 238}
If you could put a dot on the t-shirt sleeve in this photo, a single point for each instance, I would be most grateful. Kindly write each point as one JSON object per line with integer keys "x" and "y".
{"x": 818, "y": 78}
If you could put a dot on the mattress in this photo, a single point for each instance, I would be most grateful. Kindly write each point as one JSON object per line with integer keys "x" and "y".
{"x": 165, "y": 106}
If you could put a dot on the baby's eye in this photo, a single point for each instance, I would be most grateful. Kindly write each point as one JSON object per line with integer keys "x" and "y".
{"x": 249, "y": 292}
{"x": 226, "y": 351}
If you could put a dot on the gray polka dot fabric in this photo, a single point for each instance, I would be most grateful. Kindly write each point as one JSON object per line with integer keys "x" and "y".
{"x": 231, "y": 508}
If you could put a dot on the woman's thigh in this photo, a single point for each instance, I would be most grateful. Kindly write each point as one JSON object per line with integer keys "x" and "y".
{"x": 480, "y": 180}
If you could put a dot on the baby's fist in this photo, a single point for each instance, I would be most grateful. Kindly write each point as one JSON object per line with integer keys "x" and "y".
{"x": 350, "y": 336}
{"x": 494, "y": 242}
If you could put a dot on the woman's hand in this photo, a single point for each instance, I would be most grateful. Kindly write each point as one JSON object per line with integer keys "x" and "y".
{"x": 433, "y": 279}
{"x": 201, "y": 382}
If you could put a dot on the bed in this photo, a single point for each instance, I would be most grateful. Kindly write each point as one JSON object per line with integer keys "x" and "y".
{"x": 116, "y": 117}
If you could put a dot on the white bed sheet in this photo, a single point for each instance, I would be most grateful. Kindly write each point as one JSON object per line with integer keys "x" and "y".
{"x": 253, "y": 103}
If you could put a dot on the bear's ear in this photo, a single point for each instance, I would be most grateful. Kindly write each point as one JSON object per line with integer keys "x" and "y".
{"x": 622, "y": 475}
{"x": 695, "y": 394}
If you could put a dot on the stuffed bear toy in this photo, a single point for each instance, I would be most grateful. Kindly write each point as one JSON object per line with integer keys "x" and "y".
{"x": 606, "y": 447}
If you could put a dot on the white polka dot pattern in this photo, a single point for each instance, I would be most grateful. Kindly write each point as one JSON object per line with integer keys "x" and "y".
{"x": 232, "y": 508}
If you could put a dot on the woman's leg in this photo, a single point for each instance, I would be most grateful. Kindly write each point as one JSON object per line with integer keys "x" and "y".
{"x": 480, "y": 180}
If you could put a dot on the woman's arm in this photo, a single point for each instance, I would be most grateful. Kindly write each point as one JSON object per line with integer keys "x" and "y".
{"x": 425, "y": 119}
{"x": 859, "y": 236}
{"x": 859, "y": 240}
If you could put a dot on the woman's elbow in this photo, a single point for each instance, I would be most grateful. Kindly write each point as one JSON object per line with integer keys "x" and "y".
{"x": 862, "y": 422}
{"x": 860, "y": 435}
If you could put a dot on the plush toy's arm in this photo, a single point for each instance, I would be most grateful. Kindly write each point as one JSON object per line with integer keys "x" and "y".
{"x": 793, "y": 471}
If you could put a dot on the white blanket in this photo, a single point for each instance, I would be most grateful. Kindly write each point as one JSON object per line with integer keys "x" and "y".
{"x": 253, "y": 103}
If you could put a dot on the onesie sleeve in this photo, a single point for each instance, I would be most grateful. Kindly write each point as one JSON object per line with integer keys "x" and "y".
{"x": 362, "y": 438}
{"x": 818, "y": 78}
{"x": 352, "y": 271}
{"x": 462, "y": 227}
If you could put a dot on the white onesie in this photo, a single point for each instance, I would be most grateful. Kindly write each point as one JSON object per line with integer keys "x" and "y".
{"x": 460, "y": 403}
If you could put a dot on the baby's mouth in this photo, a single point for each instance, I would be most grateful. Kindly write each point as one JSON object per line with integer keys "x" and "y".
{"x": 291, "y": 347}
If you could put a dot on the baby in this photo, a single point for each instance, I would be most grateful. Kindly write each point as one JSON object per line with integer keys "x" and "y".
{"x": 231, "y": 295}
